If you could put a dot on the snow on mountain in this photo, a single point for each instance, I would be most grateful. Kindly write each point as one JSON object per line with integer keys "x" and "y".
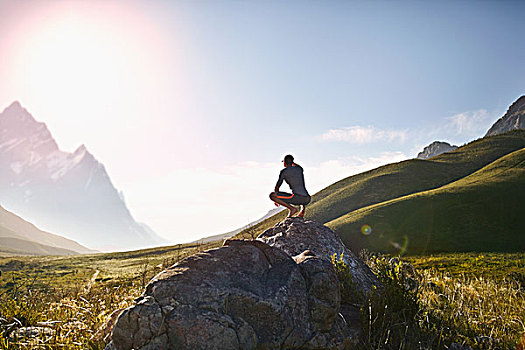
{"x": 66, "y": 193}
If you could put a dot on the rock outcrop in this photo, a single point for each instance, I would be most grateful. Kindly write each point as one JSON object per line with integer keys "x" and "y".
{"x": 295, "y": 236}
{"x": 277, "y": 292}
{"x": 514, "y": 119}
{"x": 435, "y": 149}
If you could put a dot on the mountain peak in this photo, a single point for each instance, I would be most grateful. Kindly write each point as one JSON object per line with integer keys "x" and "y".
{"x": 62, "y": 191}
{"x": 15, "y": 111}
{"x": 513, "y": 119}
{"x": 81, "y": 149}
{"x": 15, "y": 105}
{"x": 436, "y": 148}
{"x": 517, "y": 106}
{"x": 23, "y": 135}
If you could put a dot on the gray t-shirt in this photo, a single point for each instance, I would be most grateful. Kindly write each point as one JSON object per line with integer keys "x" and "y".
{"x": 293, "y": 175}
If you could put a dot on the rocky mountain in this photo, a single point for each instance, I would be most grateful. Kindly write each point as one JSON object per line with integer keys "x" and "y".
{"x": 435, "y": 149}
{"x": 67, "y": 193}
{"x": 280, "y": 291}
{"x": 512, "y": 120}
{"x": 18, "y": 236}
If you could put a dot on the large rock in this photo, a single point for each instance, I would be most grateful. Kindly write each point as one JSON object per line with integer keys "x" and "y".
{"x": 246, "y": 295}
{"x": 295, "y": 235}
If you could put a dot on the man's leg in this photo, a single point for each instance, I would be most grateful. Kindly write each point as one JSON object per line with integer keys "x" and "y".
{"x": 291, "y": 208}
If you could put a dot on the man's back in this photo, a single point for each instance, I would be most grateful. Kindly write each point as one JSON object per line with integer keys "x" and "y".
{"x": 293, "y": 175}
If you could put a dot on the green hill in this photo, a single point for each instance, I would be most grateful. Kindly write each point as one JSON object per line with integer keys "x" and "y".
{"x": 410, "y": 176}
{"x": 18, "y": 236}
{"x": 481, "y": 212}
{"x": 17, "y": 246}
{"x": 401, "y": 179}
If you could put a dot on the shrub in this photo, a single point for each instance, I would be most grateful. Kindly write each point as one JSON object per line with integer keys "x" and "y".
{"x": 348, "y": 288}
{"x": 389, "y": 317}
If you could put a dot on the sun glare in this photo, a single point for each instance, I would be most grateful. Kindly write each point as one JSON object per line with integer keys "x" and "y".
{"x": 73, "y": 57}
{"x": 75, "y": 60}
{"x": 90, "y": 64}
{"x": 73, "y": 52}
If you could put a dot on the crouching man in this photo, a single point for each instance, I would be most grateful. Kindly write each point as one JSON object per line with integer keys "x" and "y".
{"x": 293, "y": 175}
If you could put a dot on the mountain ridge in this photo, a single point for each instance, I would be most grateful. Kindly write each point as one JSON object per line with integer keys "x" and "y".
{"x": 223, "y": 236}
{"x": 513, "y": 119}
{"x": 14, "y": 227}
{"x": 68, "y": 193}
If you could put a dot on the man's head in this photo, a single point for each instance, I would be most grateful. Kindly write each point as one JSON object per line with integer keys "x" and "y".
{"x": 288, "y": 160}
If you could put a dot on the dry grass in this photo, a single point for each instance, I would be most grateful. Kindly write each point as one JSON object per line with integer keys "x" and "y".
{"x": 64, "y": 302}
{"x": 472, "y": 301}
{"x": 431, "y": 309}
{"x": 475, "y": 311}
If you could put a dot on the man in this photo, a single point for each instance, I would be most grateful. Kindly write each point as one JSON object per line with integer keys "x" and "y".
{"x": 293, "y": 175}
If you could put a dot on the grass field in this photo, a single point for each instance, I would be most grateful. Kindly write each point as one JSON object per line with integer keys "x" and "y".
{"x": 69, "y": 297}
{"x": 431, "y": 302}
{"x": 460, "y": 298}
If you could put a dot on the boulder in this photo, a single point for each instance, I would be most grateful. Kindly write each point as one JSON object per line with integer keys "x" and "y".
{"x": 244, "y": 295}
{"x": 295, "y": 235}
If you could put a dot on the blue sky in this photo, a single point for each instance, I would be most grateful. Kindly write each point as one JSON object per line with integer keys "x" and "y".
{"x": 190, "y": 105}
{"x": 290, "y": 71}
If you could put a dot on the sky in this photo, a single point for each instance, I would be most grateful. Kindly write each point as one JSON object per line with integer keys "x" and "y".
{"x": 191, "y": 105}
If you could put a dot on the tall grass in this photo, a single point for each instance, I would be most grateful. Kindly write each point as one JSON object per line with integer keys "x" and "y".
{"x": 64, "y": 303}
{"x": 431, "y": 306}
{"x": 70, "y": 317}
{"x": 430, "y": 309}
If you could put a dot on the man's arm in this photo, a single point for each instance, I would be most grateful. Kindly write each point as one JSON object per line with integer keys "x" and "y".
{"x": 279, "y": 182}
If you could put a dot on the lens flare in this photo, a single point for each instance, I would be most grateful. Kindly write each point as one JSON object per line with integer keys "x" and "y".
{"x": 366, "y": 230}
{"x": 401, "y": 247}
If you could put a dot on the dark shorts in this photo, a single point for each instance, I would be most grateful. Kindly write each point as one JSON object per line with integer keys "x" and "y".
{"x": 293, "y": 198}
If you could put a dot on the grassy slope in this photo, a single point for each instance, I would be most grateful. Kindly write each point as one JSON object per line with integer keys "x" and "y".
{"x": 403, "y": 178}
{"x": 25, "y": 238}
{"x": 17, "y": 246}
{"x": 410, "y": 176}
{"x": 75, "y": 271}
{"x": 481, "y": 212}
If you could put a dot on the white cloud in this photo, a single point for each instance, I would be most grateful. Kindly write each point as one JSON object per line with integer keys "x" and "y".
{"x": 361, "y": 135}
{"x": 457, "y": 129}
{"x": 334, "y": 170}
{"x": 471, "y": 123}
